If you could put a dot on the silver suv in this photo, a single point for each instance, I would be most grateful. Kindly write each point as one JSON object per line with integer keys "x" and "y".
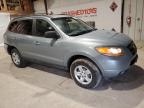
{"x": 67, "y": 42}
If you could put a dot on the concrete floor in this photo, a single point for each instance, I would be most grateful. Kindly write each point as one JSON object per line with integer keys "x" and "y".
{"x": 43, "y": 87}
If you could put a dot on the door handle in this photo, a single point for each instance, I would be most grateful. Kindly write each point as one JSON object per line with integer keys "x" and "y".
{"x": 37, "y": 43}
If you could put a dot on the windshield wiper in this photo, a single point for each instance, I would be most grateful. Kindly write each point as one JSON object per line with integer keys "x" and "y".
{"x": 83, "y": 32}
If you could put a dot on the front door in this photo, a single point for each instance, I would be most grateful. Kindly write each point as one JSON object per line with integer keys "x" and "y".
{"x": 47, "y": 49}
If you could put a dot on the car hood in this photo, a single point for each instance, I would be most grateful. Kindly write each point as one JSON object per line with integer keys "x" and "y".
{"x": 105, "y": 38}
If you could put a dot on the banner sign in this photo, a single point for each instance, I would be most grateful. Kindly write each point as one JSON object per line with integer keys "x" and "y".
{"x": 81, "y": 12}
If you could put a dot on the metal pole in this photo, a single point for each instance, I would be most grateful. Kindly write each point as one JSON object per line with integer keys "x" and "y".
{"x": 122, "y": 16}
{"x": 46, "y": 8}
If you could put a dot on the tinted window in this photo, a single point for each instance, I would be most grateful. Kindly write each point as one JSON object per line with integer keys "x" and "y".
{"x": 42, "y": 27}
{"x": 21, "y": 27}
{"x": 13, "y": 26}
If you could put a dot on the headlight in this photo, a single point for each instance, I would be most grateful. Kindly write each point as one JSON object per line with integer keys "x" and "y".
{"x": 111, "y": 51}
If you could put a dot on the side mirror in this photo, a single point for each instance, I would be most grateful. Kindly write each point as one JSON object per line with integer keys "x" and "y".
{"x": 51, "y": 34}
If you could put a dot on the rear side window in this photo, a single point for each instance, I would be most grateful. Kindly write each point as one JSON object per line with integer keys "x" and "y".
{"x": 21, "y": 27}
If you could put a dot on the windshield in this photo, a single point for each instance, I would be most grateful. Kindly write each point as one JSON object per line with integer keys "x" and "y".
{"x": 72, "y": 27}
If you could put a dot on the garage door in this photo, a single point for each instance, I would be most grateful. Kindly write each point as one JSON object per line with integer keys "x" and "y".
{"x": 134, "y": 19}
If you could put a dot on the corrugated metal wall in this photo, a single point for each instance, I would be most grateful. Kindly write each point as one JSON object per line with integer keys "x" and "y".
{"x": 135, "y": 10}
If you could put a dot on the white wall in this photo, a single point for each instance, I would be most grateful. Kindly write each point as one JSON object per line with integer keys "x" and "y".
{"x": 104, "y": 18}
{"x": 4, "y": 21}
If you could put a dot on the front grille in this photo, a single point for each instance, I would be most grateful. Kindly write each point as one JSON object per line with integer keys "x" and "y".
{"x": 132, "y": 48}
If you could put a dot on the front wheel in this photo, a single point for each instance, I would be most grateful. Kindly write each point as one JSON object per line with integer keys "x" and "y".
{"x": 85, "y": 73}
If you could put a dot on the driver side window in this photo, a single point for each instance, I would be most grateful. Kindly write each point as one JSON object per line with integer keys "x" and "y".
{"x": 42, "y": 27}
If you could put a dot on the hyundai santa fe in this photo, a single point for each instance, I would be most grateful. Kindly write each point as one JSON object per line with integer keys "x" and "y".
{"x": 89, "y": 54}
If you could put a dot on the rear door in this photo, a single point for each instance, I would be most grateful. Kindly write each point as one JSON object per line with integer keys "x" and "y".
{"x": 22, "y": 33}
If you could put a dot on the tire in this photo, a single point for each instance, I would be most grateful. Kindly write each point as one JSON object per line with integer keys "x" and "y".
{"x": 17, "y": 59}
{"x": 85, "y": 73}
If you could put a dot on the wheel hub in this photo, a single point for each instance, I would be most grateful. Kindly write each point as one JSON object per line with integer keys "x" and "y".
{"x": 83, "y": 75}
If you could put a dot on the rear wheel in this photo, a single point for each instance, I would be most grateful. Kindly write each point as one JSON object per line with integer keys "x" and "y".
{"x": 85, "y": 73}
{"x": 17, "y": 59}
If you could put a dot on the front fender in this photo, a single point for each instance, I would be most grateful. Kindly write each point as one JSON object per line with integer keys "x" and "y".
{"x": 92, "y": 55}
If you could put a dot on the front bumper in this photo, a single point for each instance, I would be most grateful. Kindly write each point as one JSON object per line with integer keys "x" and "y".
{"x": 114, "y": 67}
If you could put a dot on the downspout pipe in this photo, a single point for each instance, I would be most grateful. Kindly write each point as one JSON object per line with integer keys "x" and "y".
{"x": 122, "y": 16}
